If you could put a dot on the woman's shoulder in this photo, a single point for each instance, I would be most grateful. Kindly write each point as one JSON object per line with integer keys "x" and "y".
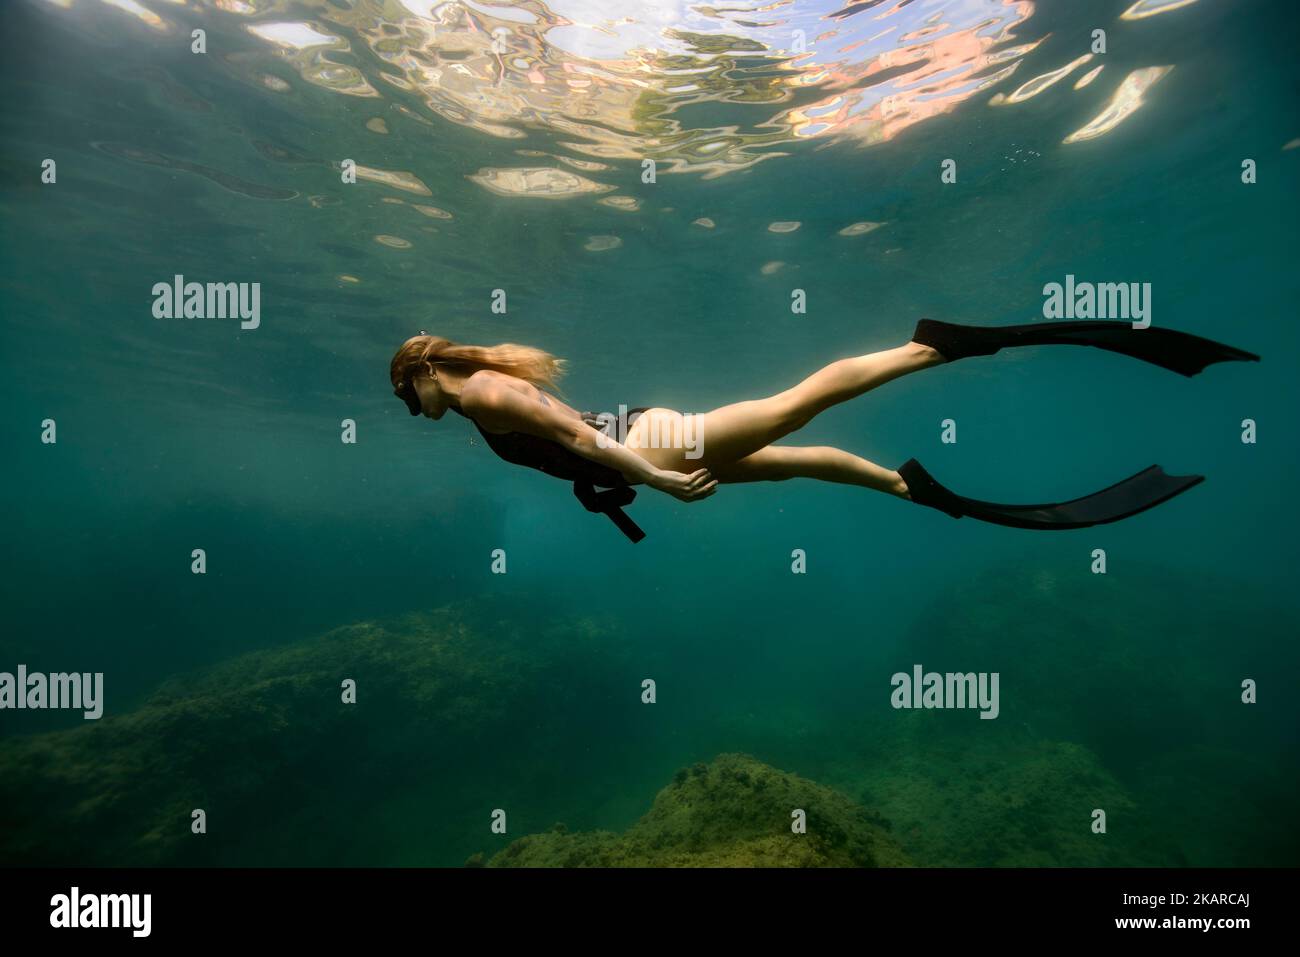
{"x": 486, "y": 389}
{"x": 493, "y": 396}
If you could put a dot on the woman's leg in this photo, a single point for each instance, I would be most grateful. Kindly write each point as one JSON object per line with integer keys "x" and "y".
{"x": 735, "y": 431}
{"x": 776, "y": 463}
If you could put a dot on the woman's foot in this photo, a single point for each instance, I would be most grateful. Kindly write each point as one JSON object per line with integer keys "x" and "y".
{"x": 928, "y": 355}
{"x": 952, "y": 341}
{"x": 899, "y": 488}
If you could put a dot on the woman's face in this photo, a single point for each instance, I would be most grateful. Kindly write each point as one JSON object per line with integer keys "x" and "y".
{"x": 433, "y": 401}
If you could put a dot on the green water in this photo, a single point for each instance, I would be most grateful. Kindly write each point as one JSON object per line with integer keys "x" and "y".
{"x": 523, "y": 691}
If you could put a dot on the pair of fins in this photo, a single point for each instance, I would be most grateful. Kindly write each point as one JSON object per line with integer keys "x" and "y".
{"x": 1179, "y": 352}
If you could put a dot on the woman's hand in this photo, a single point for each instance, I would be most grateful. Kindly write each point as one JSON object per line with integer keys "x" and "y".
{"x": 688, "y": 488}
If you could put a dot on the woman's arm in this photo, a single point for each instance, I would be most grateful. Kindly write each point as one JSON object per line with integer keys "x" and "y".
{"x": 496, "y": 406}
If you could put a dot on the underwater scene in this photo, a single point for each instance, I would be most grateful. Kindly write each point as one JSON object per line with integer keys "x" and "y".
{"x": 261, "y": 610}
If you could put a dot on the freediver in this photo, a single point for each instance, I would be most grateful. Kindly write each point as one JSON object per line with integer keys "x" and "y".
{"x": 502, "y": 390}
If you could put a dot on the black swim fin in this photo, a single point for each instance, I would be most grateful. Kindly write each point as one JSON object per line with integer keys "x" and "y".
{"x": 1180, "y": 352}
{"x": 1137, "y": 493}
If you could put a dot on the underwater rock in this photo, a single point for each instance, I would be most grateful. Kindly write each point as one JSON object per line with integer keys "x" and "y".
{"x": 969, "y": 793}
{"x": 1108, "y": 660}
{"x": 1148, "y": 691}
{"x": 733, "y": 812}
{"x": 1004, "y": 799}
{"x": 285, "y": 771}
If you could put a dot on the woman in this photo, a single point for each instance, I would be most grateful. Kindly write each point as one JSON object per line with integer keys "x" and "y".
{"x": 503, "y": 390}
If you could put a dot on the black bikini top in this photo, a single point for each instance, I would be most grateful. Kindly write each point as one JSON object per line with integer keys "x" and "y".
{"x": 531, "y": 451}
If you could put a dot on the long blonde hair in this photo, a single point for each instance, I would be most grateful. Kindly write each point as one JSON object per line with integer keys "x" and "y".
{"x": 420, "y": 353}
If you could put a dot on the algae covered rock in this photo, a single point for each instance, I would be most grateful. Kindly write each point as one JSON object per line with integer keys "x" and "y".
{"x": 1007, "y": 800}
{"x": 1110, "y": 661}
{"x": 733, "y": 812}
{"x": 284, "y": 769}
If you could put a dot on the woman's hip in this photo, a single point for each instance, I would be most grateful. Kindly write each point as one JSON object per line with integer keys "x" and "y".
{"x": 668, "y": 439}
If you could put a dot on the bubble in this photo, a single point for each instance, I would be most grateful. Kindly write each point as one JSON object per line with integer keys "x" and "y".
{"x": 536, "y": 181}
{"x": 627, "y": 203}
{"x": 858, "y": 229}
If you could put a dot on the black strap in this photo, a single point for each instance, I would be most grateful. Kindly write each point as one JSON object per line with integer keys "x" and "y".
{"x": 610, "y": 502}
